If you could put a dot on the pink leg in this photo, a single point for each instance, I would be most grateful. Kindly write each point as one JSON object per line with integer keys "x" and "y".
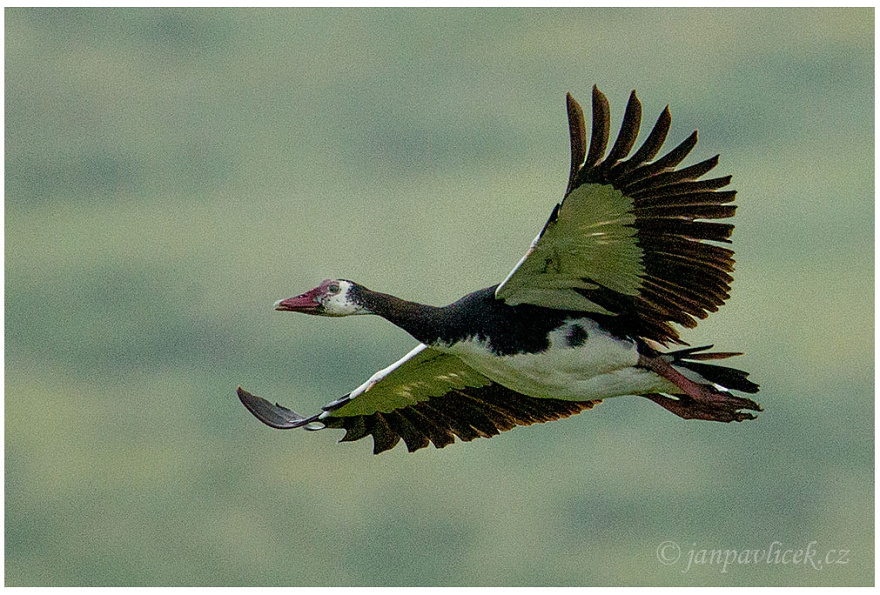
{"x": 699, "y": 401}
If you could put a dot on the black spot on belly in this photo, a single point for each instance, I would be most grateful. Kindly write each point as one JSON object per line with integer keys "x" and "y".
{"x": 577, "y": 336}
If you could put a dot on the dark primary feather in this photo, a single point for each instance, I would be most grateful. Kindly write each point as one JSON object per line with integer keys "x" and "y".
{"x": 600, "y": 130}
{"x": 578, "y": 133}
{"x": 629, "y": 132}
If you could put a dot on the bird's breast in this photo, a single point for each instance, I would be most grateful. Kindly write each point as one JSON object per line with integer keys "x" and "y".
{"x": 581, "y": 362}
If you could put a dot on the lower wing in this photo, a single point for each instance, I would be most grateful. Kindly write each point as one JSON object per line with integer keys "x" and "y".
{"x": 426, "y": 397}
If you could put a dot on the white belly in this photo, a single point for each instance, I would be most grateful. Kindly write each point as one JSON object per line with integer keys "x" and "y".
{"x": 600, "y": 367}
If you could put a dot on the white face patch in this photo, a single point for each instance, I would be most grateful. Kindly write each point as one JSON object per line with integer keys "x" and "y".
{"x": 340, "y": 303}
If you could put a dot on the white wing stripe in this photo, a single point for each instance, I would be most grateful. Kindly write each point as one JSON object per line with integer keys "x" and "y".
{"x": 385, "y": 371}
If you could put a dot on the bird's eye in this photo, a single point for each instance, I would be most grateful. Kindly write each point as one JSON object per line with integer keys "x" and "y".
{"x": 333, "y": 288}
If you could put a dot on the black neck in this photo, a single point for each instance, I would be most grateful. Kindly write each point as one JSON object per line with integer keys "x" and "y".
{"x": 507, "y": 329}
{"x": 425, "y": 323}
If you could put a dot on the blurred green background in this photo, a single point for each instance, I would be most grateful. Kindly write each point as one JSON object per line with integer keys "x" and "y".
{"x": 172, "y": 173}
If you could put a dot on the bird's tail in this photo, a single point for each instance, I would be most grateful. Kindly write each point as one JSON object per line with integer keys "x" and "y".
{"x": 729, "y": 378}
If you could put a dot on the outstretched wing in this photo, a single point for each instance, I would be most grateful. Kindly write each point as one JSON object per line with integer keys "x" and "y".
{"x": 629, "y": 238}
{"x": 426, "y": 397}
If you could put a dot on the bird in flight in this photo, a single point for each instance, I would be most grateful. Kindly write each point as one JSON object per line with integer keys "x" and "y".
{"x": 585, "y": 315}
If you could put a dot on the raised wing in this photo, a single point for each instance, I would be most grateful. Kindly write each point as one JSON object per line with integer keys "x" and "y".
{"x": 629, "y": 238}
{"x": 426, "y": 397}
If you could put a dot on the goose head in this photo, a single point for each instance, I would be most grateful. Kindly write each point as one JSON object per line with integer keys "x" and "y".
{"x": 333, "y": 297}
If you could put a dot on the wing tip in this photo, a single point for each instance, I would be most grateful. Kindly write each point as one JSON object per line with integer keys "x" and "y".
{"x": 275, "y": 416}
